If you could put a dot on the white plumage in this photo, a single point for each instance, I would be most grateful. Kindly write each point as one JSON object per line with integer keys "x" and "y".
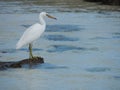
{"x": 33, "y": 33}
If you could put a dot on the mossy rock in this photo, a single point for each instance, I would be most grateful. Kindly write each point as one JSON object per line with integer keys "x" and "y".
{"x": 19, "y": 64}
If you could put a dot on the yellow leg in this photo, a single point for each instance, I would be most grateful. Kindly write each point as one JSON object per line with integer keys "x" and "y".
{"x": 30, "y": 51}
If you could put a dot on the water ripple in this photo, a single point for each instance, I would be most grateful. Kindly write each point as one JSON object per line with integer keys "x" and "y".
{"x": 62, "y": 48}
{"x": 45, "y": 66}
{"x": 8, "y": 51}
{"x": 52, "y": 66}
{"x": 34, "y": 49}
{"x": 60, "y": 38}
{"x": 99, "y": 38}
{"x": 60, "y": 28}
{"x": 98, "y": 69}
{"x": 117, "y": 77}
{"x": 14, "y": 50}
{"x": 63, "y": 28}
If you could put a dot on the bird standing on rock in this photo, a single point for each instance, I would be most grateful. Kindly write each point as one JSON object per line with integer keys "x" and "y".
{"x": 33, "y": 33}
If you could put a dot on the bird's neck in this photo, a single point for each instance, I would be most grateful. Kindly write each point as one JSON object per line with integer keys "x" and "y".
{"x": 42, "y": 21}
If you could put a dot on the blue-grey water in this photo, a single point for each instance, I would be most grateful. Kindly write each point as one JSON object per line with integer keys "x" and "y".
{"x": 81, "y": 49}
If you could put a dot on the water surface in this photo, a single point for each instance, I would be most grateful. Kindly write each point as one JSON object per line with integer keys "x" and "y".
{"x": 81, "y": 50}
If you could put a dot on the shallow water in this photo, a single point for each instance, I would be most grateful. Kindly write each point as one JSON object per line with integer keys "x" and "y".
{"x": 81, "y": 50}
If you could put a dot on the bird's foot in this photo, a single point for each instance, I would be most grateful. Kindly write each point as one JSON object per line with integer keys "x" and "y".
{"x": 35, "y": 58}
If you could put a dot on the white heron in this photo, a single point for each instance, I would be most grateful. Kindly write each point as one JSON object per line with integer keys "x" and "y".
{"x": 33, "y": 33}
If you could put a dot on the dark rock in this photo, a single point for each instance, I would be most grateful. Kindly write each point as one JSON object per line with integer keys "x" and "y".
{"x": 93, "y": 0}
{"x": 19, "y": 64}
{"x": 109, "y": 2}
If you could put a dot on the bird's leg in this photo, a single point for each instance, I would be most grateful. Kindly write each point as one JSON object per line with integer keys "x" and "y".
{"x": 31, "y": 57}
{"x": 30, "y": 51}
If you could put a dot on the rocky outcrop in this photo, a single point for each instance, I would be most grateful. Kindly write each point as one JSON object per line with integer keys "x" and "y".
{"x": 19, "y": 64}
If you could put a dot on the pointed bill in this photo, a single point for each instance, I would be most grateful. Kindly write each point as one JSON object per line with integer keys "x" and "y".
{"x": 50, "y": 16}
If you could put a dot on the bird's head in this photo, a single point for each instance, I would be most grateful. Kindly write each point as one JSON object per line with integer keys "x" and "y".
{"x": 44, "y": 14}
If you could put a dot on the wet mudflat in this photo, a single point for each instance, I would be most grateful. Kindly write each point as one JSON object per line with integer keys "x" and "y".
{"x": 81, "y": 49}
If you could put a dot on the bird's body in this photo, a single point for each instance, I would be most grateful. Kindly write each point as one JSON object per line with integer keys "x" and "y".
{"x": 33, "y": 33}
{"x": 30, "y": 35}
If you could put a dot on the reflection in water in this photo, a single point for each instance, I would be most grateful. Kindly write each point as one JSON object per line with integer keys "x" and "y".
{"x": 45, "y": 66}
{"x": 51, "y": 66}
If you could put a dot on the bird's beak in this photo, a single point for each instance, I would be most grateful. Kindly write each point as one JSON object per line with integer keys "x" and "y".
{"x": 51, "y": 16}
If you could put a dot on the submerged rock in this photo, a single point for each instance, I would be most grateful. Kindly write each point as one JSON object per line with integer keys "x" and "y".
{"x": 19, "y": 64}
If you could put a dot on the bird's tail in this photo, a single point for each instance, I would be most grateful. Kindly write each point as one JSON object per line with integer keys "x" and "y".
{"x": 18, "y": 45}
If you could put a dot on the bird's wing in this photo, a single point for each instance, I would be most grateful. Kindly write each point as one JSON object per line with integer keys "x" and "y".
{"x": 31, "y": 34}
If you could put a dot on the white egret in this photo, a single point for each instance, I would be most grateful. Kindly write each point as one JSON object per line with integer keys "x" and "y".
{"x": 33, "y": 33}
